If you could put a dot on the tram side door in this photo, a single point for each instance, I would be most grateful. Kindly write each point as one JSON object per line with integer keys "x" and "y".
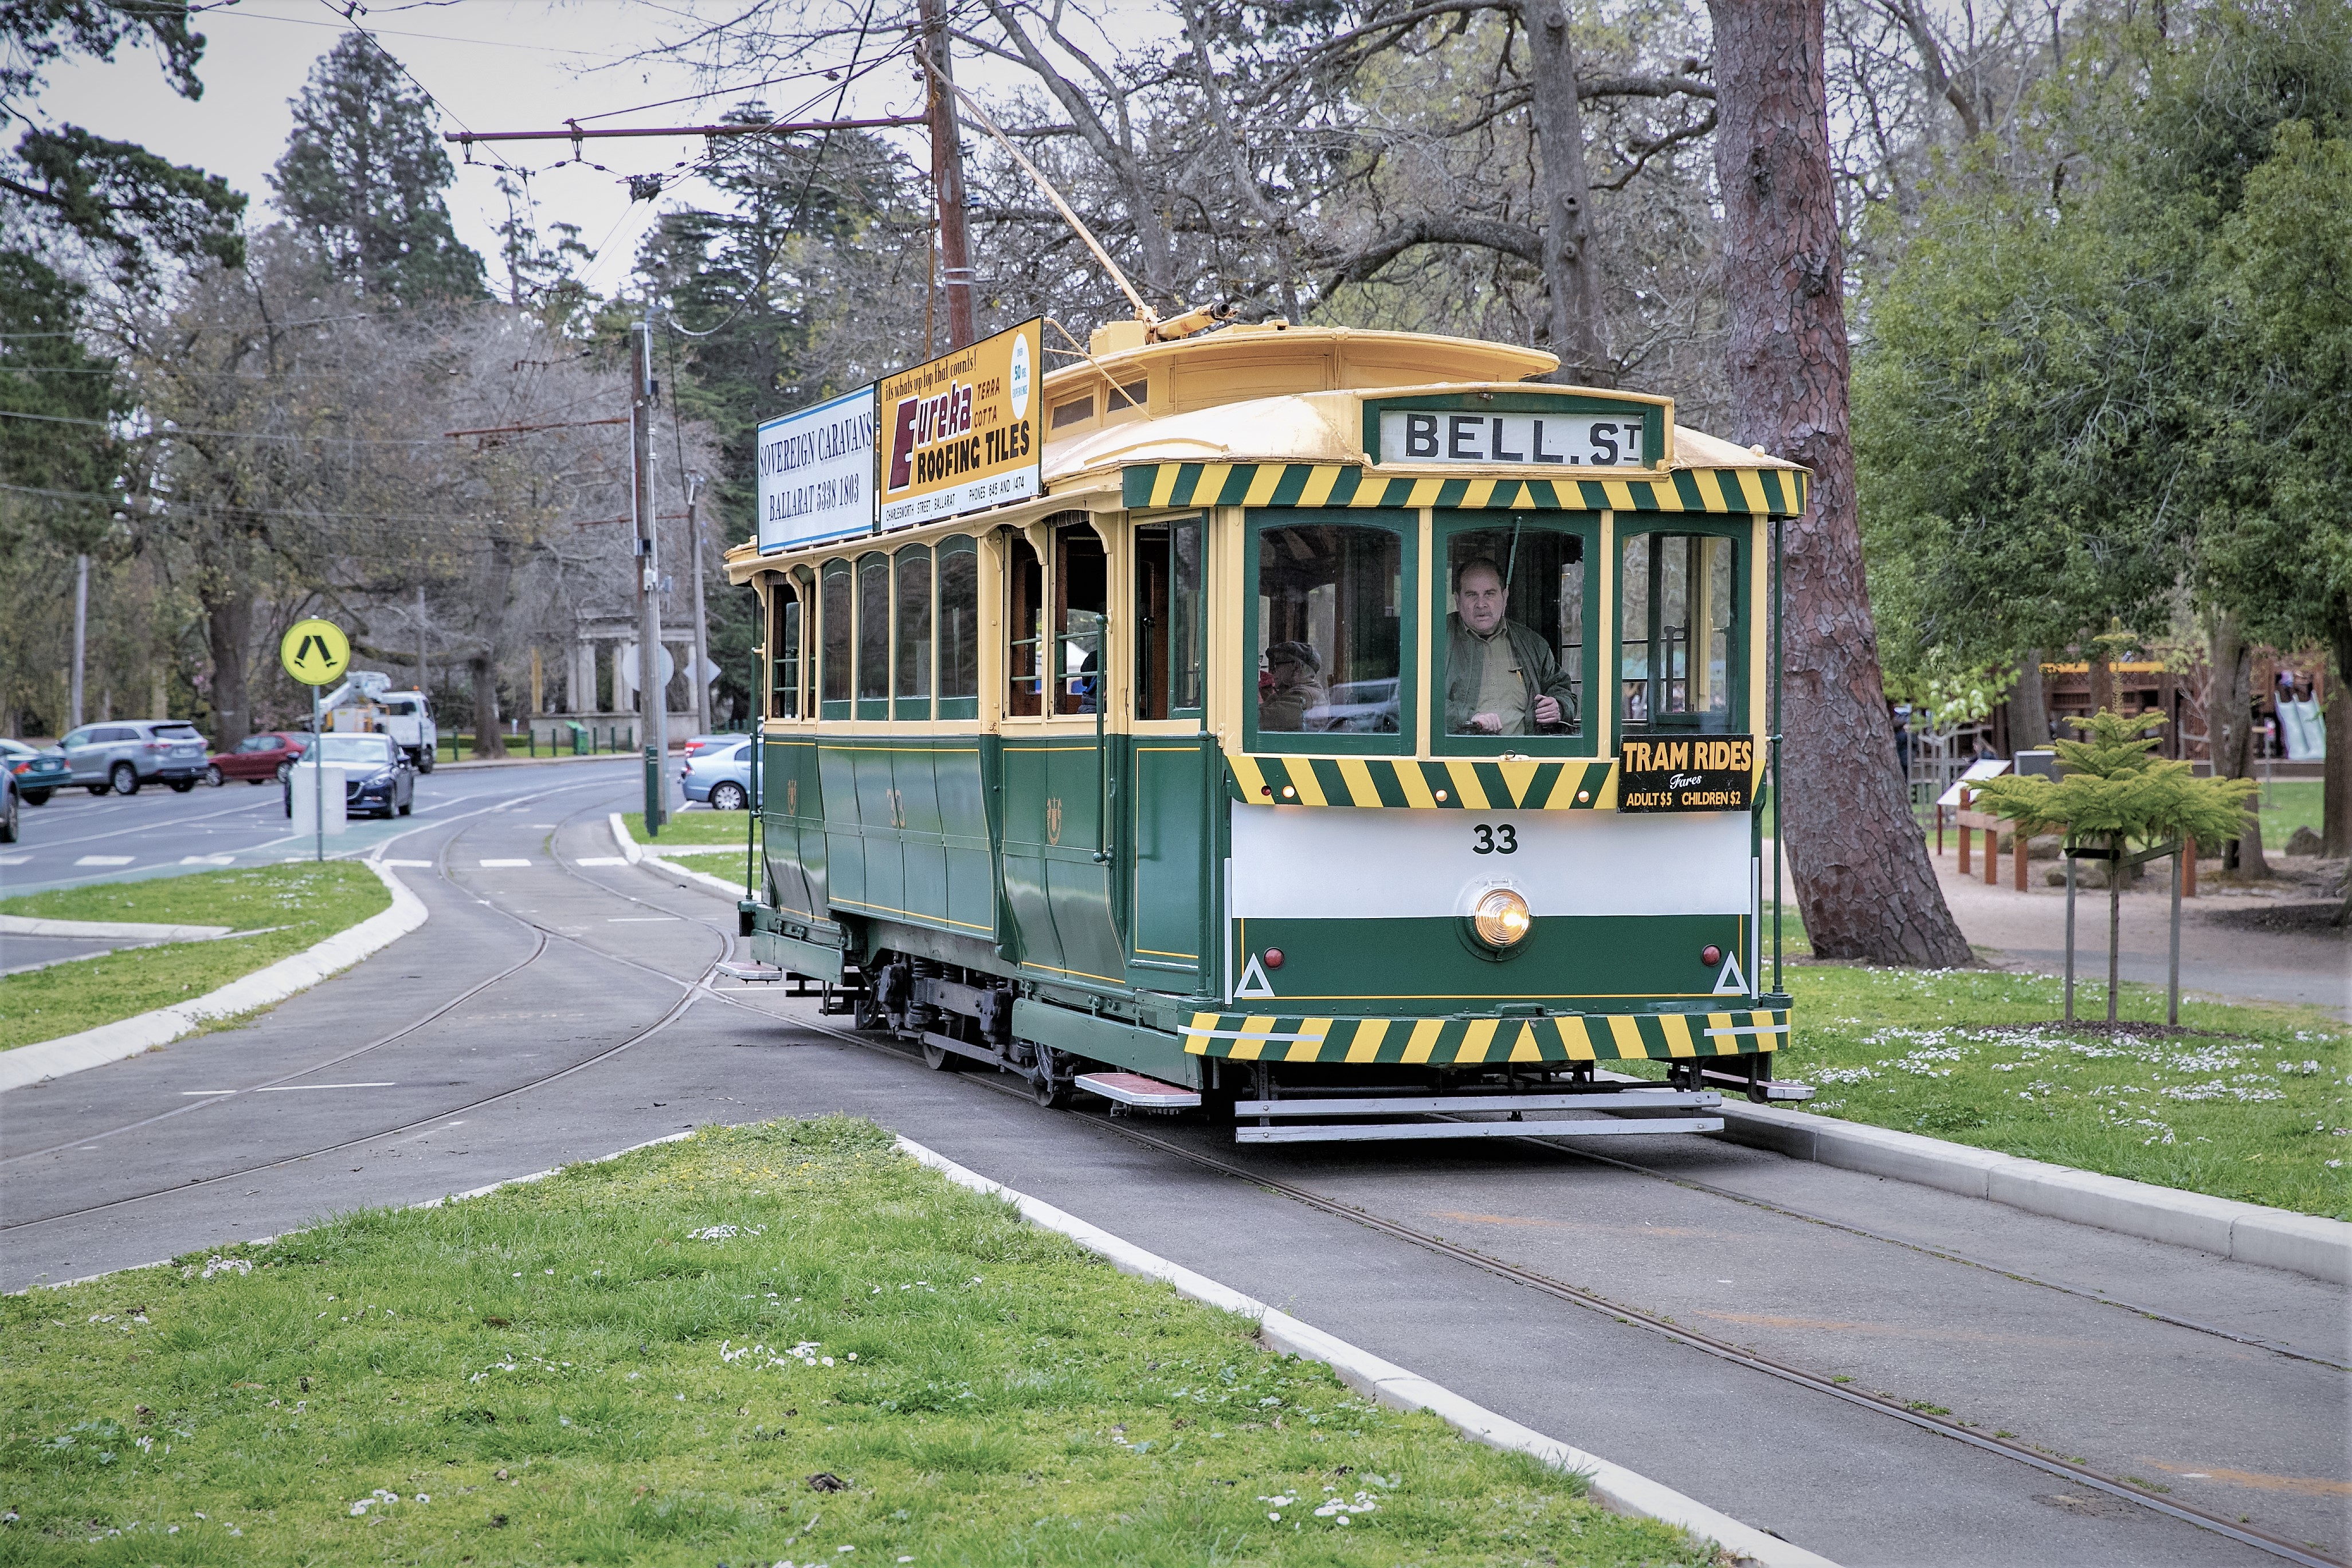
{"x": 1172, "y": 765}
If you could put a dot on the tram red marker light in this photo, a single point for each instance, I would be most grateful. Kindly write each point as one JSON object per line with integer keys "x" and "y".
{"x": 1710, "y": 956}
{"x": 1266, "y": 789}
{"x": 1273, "y": 958}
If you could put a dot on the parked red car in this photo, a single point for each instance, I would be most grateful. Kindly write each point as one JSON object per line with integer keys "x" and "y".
{"x": 259, "y": 759}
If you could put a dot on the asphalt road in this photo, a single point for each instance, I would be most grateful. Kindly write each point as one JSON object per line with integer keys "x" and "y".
{"x": 551, "y": 1012}
{"x": 79, "y": 837}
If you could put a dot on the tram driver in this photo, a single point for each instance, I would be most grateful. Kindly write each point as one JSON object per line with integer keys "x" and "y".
{"x": 1501, "y": 678}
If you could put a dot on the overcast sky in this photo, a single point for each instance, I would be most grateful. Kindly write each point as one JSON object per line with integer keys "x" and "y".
{"x": 491, "y": 65}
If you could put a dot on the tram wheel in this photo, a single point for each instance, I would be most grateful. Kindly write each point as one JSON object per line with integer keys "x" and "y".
{"x": 1051, "y": 1093}
{"x": 939, "y": 1058}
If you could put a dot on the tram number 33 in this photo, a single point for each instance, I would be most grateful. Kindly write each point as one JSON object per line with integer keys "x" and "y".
{"x": 1486, "y": 840}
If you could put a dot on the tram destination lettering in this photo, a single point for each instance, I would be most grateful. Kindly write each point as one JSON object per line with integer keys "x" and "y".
{"x": 1698, "y": 773}
{"x": 817, "y": 473}
{"x": 1583, "y": 440}
{"x": 959, "y": 433}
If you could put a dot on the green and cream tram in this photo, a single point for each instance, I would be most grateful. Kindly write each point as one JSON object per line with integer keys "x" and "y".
{"x": 1349, "y": 735}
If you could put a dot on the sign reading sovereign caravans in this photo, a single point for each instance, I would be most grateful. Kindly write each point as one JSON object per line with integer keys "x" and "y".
{"x": 959, "y": 433}
{"x": 817, "y": 473}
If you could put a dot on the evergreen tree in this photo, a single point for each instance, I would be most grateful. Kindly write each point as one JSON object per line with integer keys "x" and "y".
{"x": 363, "y": 177}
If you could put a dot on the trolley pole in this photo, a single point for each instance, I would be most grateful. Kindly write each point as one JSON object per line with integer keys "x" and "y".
{"x": 652, "y": 702}
{"x": 947, "y": 175}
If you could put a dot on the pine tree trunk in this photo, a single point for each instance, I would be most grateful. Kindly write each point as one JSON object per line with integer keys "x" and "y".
{"x": 2028, "y": 715}
{"x": 2102, "y": 680}
{"x": 1860, "y": 862}
{"x": 2335, "y": 772}
{"x": 1571, "y": 272}
{"x": 2230, "y": 720}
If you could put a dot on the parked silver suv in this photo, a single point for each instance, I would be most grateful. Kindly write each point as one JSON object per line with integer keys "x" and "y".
{"x": 124, "y": 753}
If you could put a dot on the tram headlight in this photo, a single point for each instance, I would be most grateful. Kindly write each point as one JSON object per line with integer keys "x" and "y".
{"x": 1501, "y": 917}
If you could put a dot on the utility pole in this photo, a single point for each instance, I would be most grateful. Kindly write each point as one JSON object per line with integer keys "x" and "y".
{"x": 947, "y": 175}
{"x": 653, "y": 700}
{"x": 701, "y": 625}
{"x": 422, "y": 688}
{"x": 82, "y": 640}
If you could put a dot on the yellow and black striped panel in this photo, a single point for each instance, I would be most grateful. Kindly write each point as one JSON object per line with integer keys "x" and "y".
{"x": 1465, "y": 1042}
{"x": 1451, "y": 783}
{"x": 1780, "y": 492}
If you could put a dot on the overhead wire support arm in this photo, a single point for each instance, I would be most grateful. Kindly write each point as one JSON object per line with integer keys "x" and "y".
{"x": 775, "y": 128}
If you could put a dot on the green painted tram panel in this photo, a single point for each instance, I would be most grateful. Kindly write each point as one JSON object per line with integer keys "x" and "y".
{"x": 1176, "y": 784}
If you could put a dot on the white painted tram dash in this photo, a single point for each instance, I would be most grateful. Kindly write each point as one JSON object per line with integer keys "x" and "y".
{"x": 505, "y": 862}
{"x": 290, "y": 1088}
{"x": 602, "y": 860}
{"x": 105, "y": 860}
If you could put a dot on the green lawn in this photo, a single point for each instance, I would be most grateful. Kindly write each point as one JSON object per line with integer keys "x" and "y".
{"x": 2288, "y": 805}
{"x": 291, "y": 906}
{"x": 696, "y": 826}
{"x": 2255, "y": 1109}
{"x": 781, "y": 1342}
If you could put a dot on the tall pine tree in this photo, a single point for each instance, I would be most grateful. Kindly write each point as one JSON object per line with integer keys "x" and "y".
{"x": 363, "y": 177}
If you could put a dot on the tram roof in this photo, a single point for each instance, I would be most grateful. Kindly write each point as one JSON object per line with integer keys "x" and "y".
{"x": 1272, "y": 394}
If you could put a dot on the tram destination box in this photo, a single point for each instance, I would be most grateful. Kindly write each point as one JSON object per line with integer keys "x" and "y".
{"x": 1694, "y": 773}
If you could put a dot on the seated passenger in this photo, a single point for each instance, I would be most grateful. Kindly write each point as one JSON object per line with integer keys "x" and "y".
{"x": 1501, "y": 678}
{"x": 1291, "y": 685}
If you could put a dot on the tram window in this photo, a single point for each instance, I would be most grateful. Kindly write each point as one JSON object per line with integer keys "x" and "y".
{"x": 1081, "y": 589}
{"x": 1168, "y": 619}
{"x": 1515, "y": 631}
{"x": 1024, "y": 622}
{"x": 913, "y": 681}
{"x": 1329, "y": 630}
{"x": 1679, "y": 650}
{"x": 873, "y": 632}
{"x": 833, "y": 603}
{"x": 784, "y": 652}
{"x": 959, "y": 627}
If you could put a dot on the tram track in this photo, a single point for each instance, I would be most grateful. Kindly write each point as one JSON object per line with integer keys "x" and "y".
{"x": 1723, "y": 1349}
{"x": 544, "y": 935}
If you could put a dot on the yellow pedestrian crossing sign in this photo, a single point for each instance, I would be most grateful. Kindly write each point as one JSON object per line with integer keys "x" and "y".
{"x": 315, "y": 652}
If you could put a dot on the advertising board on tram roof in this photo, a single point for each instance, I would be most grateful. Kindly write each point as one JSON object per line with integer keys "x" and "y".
{"x": 817, "y": 473}
{"x": 959, "y": 433}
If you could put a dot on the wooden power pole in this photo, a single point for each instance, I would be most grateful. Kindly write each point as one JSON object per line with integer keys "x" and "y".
{"x": 653, "y": 698}
{"x": 947, "y": 175}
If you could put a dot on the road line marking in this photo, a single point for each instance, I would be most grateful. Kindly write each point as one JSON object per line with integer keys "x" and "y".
{"x": 505, "y": 862}
{"x": 590, "y": 860}
{"x": 290, "y": 1088}
{"x": 417, "y": 863}
{"x": 207, "y": 859}
{"x": 198, "y": 1093}
{"x": 14, "y": 859}
{"x": 106, "y": 860}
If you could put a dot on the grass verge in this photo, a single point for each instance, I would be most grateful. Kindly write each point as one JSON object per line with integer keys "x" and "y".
{"x": 2253, "y": 1107}
{"x": 291, "y": 906}
{"x": 785, "y": 1343}
{"x": 696, "y": 826}
{"x": 2288, "y": 805}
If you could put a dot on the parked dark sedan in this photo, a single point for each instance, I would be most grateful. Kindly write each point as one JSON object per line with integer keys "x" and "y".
{"x": 258, "y": 759}
{"x": 376, "y": 774}
{"x": 37, "y": 772}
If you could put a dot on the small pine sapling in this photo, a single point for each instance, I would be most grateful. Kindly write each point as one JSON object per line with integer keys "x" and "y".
{"x": 2115, "y": 793}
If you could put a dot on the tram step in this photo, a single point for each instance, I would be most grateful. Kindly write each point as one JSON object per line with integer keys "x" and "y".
{"x": 1134, "y": 1088}
{"x": 1425, "y": 1105}
{"x": 1548, "y": 1127}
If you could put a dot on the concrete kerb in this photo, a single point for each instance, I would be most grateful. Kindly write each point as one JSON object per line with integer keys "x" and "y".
{"x": 262, "y": 988}
{"x": 124, "y": 930}
{"x": 2247, "y": 1233}
{"x": 637, "y": 854}
{"x": 1613, "y": 1486}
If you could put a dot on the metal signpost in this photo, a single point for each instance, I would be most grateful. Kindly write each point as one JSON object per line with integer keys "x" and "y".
{"x": 316, "y": 653}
